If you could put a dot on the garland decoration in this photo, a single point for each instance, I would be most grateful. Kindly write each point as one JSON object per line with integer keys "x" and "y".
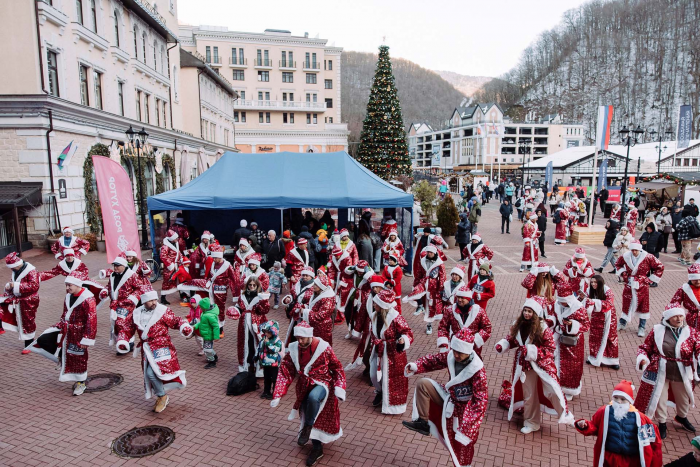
{"x": 93, "y": 212}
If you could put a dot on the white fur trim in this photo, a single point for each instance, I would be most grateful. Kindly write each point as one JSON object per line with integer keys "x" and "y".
{"x": 73, "y": 280}
{"x": 457, "y": 271}
{"x": 574, "y": 327}
{"x": 120, "y": 261}
{"x": 57, "y": 255}
{"x": 410, "y": 369}
{"x": 339, "y": 393}
{"x": 122, "y": 346}
{"x": 443, "y": 341}
{"x": 624, "y": 394}
{"x": 673, "y": 312}
{"x": 478, "y": 340}
{"x": 643, "y": 360}
{"x": 531, "y": 355}
{"x": 535, "y": 306}
{"x": 102, "y": 274}
{"x": 635, "y": 246}
{"x": 148, "y": 296}
{"x": 82, "y": 251}
{"x": 382, "y": 303}
{"x": 504, "y": 345}
{"x": 217, "y": 254}
{"x": 406, "y": 342}
{"x": 461, "y": 346}
{"x": 185, "y": 326}
{"x": 303, "y": 331}
{"x": 654, "y": 278}
{"x": 87, "y": 342}
{"x": 134, "y": 299}
{"x": 461, "y": 438}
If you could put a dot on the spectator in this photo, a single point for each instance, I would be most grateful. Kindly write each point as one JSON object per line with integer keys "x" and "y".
{"x": 665, "y": 225}
{"x": 327, "y": 221}
{"x": 259, "y": 235}
{"x": 684, "y": 236}
{"x": 519, "y": 205}
{"x": 311, "y": 248}
{"x": 611, "y": 227}
{"x": 651, "y": 240}
{"x": 350, "y": 227}
{"x": 621, "y": 245}
{"x": 307, "y": 218}
{"x": 272, "y": 250}
{"x": 475, "y": 216}
{"x": 542, "y": 226}
{"x": 365, "y": 225}
{"x": 463, "y": 233}
{"x": 506, "y": 211}
{"x": 692, "y": 459}
{"x": 242, "y": 232}
{"x": 322, "y": 243}
{"x": 509, "y": 190}
{"x": 603, "y": 198}
{"x": 692, "y": 207}
{"x": 253, "y": 240}
{"x": 364, "y": 248}
{"x": 642, "y": 205}
{"x": 676, "y": 217}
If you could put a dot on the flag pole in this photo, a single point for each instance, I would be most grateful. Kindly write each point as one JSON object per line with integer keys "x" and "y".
{"x": 593, "y": 188}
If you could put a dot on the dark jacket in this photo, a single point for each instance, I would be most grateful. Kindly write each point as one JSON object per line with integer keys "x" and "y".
{"x": 676, "y": 217}
{"x": 364, "y": 249}
{"x": 273, "y": 251}
{"x": 610, "y": 233}
{"x": 241, "y": 232}
{"x": 652, "y": 239}
{"x": 686, "y": 461}
{"x": 542, "y": 223}
{"x": 506, "y": 209}
{"x": 259, "y": 236}
{"x": 311, "y": 243}
{"x": 463, "y": 230}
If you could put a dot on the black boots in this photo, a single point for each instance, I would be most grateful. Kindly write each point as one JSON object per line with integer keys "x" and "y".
{"x": 163, "y": 300}
{"x": 685, "y": 424}
{"x": 304, "y": 435}
{"x": 662, "y": 430}
{"x": 315, "y": 455}
{"x": 377, "y": 400}
{"x": 420, "y": 426}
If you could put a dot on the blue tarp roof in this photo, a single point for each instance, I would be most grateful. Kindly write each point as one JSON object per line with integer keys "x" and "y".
{"x": 283, "y": 180}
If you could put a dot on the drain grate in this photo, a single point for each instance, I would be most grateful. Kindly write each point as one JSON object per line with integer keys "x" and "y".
{"x": 143, "y": 441}
{"x": 103, "y": 381}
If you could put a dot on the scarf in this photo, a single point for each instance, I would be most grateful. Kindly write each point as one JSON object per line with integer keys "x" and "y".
{"x": 344, "y": 243}
{"x": 305, "y": 283}
{"x": 15, "y": 274}
{"x": 483, "y": 278}
{"x": 250, "y": 295}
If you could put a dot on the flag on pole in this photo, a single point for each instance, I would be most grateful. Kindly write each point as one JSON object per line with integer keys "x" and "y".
{"x": 549, "y": 174}
{"x": 602, "y": 136}
{"x": 603, "y": 175}
{"x": 685, "y": 126}
{"x": 66, "y": 155}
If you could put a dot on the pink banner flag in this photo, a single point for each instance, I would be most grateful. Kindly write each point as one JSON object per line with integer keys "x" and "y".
{"x": 118, "y": 210}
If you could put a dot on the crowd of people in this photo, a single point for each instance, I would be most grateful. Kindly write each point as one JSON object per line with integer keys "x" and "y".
{"x": 330, "y": 283}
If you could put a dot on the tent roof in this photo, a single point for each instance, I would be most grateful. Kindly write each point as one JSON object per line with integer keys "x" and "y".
{"x": 283, "y": 180}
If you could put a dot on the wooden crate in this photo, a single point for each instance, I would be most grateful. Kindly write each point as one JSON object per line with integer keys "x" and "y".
{"x": 588, "y": 235}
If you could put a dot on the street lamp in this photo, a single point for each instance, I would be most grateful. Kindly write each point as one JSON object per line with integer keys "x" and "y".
{"x": 629, "y": 138}
{"x": 138, "y": 140}
{"x": 666, "y": 136}
{"x": 525, "y": 149}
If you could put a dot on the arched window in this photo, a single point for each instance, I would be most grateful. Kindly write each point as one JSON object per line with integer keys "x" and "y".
{"x": 136, "y": 43}
{"x": 193, "y": 173}
{"x": 148, "y": 178}
{"x": 144, "y": 47}
{"x": 116, "y": 28}
{"x": 167, "y": 178}
{"x": 155, "y": 59}
{"x": 126, "y": 164}
{"x": 163, "y": 61}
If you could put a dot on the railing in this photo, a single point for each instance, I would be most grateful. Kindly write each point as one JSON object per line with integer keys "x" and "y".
{"x": 236, "y": 61}
{"x": 214, "y": 60}
{"x": 7, "y": 230}
{"x": 288, "y": 64}
{"x": 312, "y": 66}
{"x": 263, "y": 62}
{"x": 293, "y": 105}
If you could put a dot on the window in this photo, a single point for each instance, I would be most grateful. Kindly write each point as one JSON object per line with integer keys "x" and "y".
{"x": 267, "y": 117}
{"x": 52, "y": 64}
{"x": 260, "y": 117}
{"x": 138, "y": 105}
{"x": 155, "y": 58}
{"x": 136, "y": 44}
{"x": 284, "y": 97}
{"x": 258, "y": 61}
{"x": 328, "y": 84}
{"x": 307, "y": 61}
{"x": 242, "y": 117}
{"x": 311, "y": 78}
{"x": 284, "y": 60}
{"x": 330, "y": 64}
{"x": 291, "y": 118}
{"x": 284, "y": 117}
{"x": 165, "y": 120}
{"x": 234, "y": 57}
{"x": 242, "y": 94}
{"x": 330, "y": 119}
{"x": 93, "y": 14}
{"x": 287, "y": 77}
{"x": 208, "y": 54}
{"x": 116, "y": 28}
{"x": 144, "y": 47}
{"x": 260, "y": 95}
{"x": 235, "y": 115}
{"x": 240, "y": 56}
{"x": 97, "y": 78}
{"x": 291, "y": 96}
{"x": 146, "y": 111}
{"x": 120, "y": 94}
{"x": 157, "y": 112}
{"x": 238, "y": 75}
{"x": 291, "y": 58}
{"x": 267, "y": 95}
{"x": 315, "y": 119}
{"x": 216, "y": 54}
{"x": 266, "y": 61}
{"x": 263, "y": 76}
{"x": 84, "y": 99}
{"x": 79, "y": 11}
{"x": 329, "y": 103}
{"x": 308, "y": 119}
{"x": 308, "y": 97}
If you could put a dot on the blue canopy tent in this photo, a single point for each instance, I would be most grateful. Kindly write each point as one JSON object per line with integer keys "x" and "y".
{"x": 259, "y": 185}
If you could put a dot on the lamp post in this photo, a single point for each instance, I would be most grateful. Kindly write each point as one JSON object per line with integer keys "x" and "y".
{"x": 667, "y": 135}
{"x": 629, "y": 138}
{"x": 138, "y": 140}
{"x": 525, "y": 149}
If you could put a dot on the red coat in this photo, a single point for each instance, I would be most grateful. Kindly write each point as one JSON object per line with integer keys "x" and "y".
{"x": 318, "y": 313}
{"x": 650, "y": 453}
{"x": 603, "y": 343}
{"x": 388, "y": 361}
{"x": 569, "y": 359}
{"x": 427, "y": 287}
{"x": 216, "y": 286}
{"x": 156, "y": 346}
{"x": 562, "y": 230}
{"x": 298, "y": 299}
{"x": 635, "y": 297}
{"x": 477, "y": 321}
{"x": 484, "y": 290}
{"x": 240, "y": 259}
{"x": 579, "y": 276}
{"x": 78, "y": 245}
{"x": 390, "y": 246}
{"x": 198, "y": 260}
{"x": 531, "y": 247}
{"x": 182, "y": 235}
{"x": 19, "y": 304}
{"x": 171, "y": 257}
{"x": 448, "y": 292}
{"x": 253, "y": 314}
{"x": 262, "y": 276}
{"x": 341, "y": 278}
{"x": 395, "y": 273}
{"x": 351, "y": 250}
{"x": 124, "y": 298}
{"x": 297, "y": 260}
{"x": 77, "y": 328}
{"x": 465, "y": 399}
{"x": 62, "y": 269}
{"x": 632, "y": 216}
{"x": 363, "y": 295}
{"x": 474, "y": 256}
{"x": 615, "y": 214}
{"x": 686, "y": 296}
{"x": 324, "y": 369}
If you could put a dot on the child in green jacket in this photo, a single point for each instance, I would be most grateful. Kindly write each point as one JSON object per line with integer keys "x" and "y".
{"x": 270, "y": 355}
{"x": 208, "y": 327}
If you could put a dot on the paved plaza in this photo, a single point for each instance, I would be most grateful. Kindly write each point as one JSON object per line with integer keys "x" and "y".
{"x": 43, "y": 425}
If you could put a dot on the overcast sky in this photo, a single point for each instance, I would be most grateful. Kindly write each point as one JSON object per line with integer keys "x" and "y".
{"x": 480, "y": 38}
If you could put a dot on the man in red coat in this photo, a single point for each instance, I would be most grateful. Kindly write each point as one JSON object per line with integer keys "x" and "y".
{"x": 66, "y": 343}
{"x": 320, "y": 384}
{"x": 296, "y": 260}
{"x": 428, "y": 283}
{"x": 625, "y": 437}
{"x": 69, "y": 240}
{"x": 171, "y": 256}
{"x": 465, "y": 313}
{"x": 688, "y": 295}
{"x": 199, "y": 257}
{"x": 66, "y": 266}
{"x": 20, "y": 301}
{"x": 342, "y": 279}
{"x": 318, "y": 313}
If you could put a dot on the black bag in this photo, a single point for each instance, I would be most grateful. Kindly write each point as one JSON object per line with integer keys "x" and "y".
{"x": 693, "y": 230}
{"x": 376, "y": 240}
{"x": 242, "y": 383}
{"x": 557, "y": 218}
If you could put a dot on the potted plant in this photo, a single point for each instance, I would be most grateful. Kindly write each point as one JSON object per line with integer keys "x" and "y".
{"x": 425, "y": 193}
{"x": 447, "y": 218}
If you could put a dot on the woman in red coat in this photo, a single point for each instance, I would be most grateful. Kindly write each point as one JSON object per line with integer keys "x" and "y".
{"x": 465, "y": 313}
{"x": 428, "y": 283}
{"x": 253, "y": 306}
{"x": 482, "y": 285}
{"x": 393, "y": 273}
{"x": 319, "y": 312}
{"x": 603, "y": 344}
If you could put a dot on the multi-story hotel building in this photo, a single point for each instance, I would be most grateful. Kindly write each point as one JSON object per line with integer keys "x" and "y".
{"x": 478, "y": 136}
{"x": 84, "y": 71}
{"x": 288, "y": 87}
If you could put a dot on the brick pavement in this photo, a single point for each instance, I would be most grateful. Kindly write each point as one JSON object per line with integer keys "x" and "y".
{"x": 42, "y": 424}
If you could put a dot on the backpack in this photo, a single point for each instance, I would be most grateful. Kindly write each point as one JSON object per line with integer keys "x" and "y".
{"x": 557, "y": 218}
{"x": 518, "y": 202}
{"x": 242, "y": 383}
{"x": 376, "y": 240}
{"x": 693, "y": 230}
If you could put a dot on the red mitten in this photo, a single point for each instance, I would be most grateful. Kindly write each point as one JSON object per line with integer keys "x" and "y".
{"x": 233, "y": 312}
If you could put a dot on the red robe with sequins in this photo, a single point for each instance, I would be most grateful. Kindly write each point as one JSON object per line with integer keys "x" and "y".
{"x": 182, "y": 236}
{"x": 477, "y": 321}
{"x": 198, "y": 260}
{"x": 318, "y": 313}
{"x": 394, "y": 273}
{"x": 569, "y": 358}
{"x": 20, "y": 303}
{"x": 427, "y": 289}
{"x": 474, "y": 256}
{"x": 615, "y": 215}
{"x": 253, "y": 314}
{"x": 386, "y": 363}
{"x": 351, "y": 250}
{"x": 540, "y": 359}
{"x": 529, "y": 284}
{"x": 77, "y": 330}
{"x": 300, "y": 297}
{"x": 324, "y": 369}
{"x": 635, "y": 297}
{"x": 484, "y": 290}
{"x": 579, "y": 276}
{"x": 457, "y": 420}
{"x": 390, "y": 246}
{"x": 79, "y": 246}
{"x": 240, "y": 259}
{"x": 531, "y": 247}
{"x": 363, "y": 293}
{"x": 297, "y": 260}
{"x": 221, "y": 278}
{"x": 156, "y": 346}
{"x": 602, "y": 340}
{"x": 632, "y": 216}
{"x": 62, "y": 269}
{"x": 262, "y": 276}
{"x": 341, "y": 278}
{"x": 686, "y": 296}
{"x": 448, "y": 292}
{"x": 561, "y": 230}
{"x": 651, "y": 356}
{"x": 171, "y": 257}
{"x": 124, "y": 298}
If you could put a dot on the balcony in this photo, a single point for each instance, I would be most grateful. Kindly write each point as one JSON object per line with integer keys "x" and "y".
{"x": 541, "y": 141}
{"x": 508, "y": 140}
{"x": 280, "y": 105}
{"x": 509, "y": 130}
{"x": 263, "y": 63}
{"x": 525, "y": 131}
{"x": 287, "y": 65}
{"x": 542, "y": 131}
{"x": 234, "y": 62}
{"x": 312, "y": 66}
{"x": 214, "y": 61}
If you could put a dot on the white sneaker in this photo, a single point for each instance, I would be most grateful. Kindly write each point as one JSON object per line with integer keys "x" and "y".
{"x": 521, "y": 269}
{"x": 621, "y": 327}
{"x": 429, "y": 329}
{"x": 526, "y": 430}
{"x": 201, "y": 352}
{"x": 640, "y": 332}
{"x": 79, "y": 388}
{"x": 348, "y": 336}
{"x": 275, "y": 307}
{"x": 569, "y": 397}
{"x": 418, "y": 311}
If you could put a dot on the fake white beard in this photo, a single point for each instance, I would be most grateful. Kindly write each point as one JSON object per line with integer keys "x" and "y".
{"x": 620, "y": 411}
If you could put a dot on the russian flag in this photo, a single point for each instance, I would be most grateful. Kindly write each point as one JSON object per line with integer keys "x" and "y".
{"x": 602, "y": 137}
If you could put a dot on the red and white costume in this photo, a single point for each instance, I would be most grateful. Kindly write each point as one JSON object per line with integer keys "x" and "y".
{"x": 394, "y": 274}
{"x": 579, "y": 273}
{"x": 530, "y": 282}
{"x": 448, "y": 290}
{"x": 63, "y": 269}
{"x": 561, "y": 231}
{"x": 483, "y": 289}
{"x": 155, "y": 344}
{"x": 350, "y": 247}
{"x": 298, "y": 298}
{"x": 253, "y": 313}
{"x": 637, "y": 273}
{"x": 616, "y": 213}
{"x": 342, "y": 277}
{"x": 631, "y": 218}
{"x": 198, "y": 258}
{"x": 77, "y": 329}
{"x": 391, "y": 245}
{"x": 240, "y": 259}
{"x": 531, "y": 247}
{"x": 297, "y": 259}
{"x": 476, "y": 320}
{"x": 171, "y": 257}
{"x": 323, "y": 369}
{"x": 603, "y": 342}
{"x": 474, "y": 255}
{"x": 183, "y": 234}
{"x": 259, "y": 272}
{"x": 428, "y": 282}
{"x": 124, "y": 296}
{"x": 389, "y": 226}
{"x": 318, "y": 313}
{"x": 465, "y": 399}
{"x": 363, "y": 292}
{"x": 689, "y": 296}
{"x": 387, "y": 362}
{"x": 78, "y": 245}
{"x": 20, "y": 302}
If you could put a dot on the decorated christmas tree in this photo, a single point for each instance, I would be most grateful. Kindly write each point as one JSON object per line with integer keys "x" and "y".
{"x": 383, "y": 148}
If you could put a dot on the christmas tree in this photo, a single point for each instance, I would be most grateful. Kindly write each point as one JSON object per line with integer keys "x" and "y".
{"x": 383, "y": 148}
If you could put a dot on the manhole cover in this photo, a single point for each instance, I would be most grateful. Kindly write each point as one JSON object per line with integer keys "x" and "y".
{"x": 144, "y": 441}
{"x": 102, "y": 382}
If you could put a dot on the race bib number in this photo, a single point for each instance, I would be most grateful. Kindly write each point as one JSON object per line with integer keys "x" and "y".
{"x": 434, "y": 273}
{"x": 478, "y": 288}
{"x": 646, "y": 434}
{"x": 219, "y": 289}
{"x": 463, "y": 393}
{"x": 122, "y": 312}
{"x": 208, "y": 345}
{"x": 161, "y": 355}
{"x": 74, "y": 349}
{"x": 649, "y": 377}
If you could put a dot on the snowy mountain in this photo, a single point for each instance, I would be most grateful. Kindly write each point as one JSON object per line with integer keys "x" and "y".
{"x": 467, "y": 85}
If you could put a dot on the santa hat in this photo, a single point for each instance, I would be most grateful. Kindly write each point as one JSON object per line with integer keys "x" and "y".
{"x": 308, "y": 271}
{"x": 67, "y": 230}
{"x": 126, "y": 253}
{"x": 253, "y": 259}
{"x": 73, "y": 279}
{"x": 535, "y": 306}
{"x": 476, "y": 237}
{"x": 120, "y": 261}
{"x": 624, "y": 389}
{"x": 437, "y": 240}
{"x": 69, "y": 252}
{"x": 337, "y": 251}
{"x": 385, "y": 299}
{"x": 206, "y": 235}
{"x": 464, "y": 291}
{"x": 430, "y": 249}
{"x": 243, "y": 241}
{"x": 562, "y": 290}
{"x": 344, "y": 233}
{"x": 635, "y": 245}
{"x": 361, "y": 266}
{"x": 694, "y": 272}
{"x": 393, "y": 231}
{"x": 631, "y": 203}
{"x": 303, "y": 330}
{"x": 377, "y": 281}
{"x": 194, "y": 300}
{"x": 171, "y": 235}
{"x": 673, "y": 309}
{"x": 217, "y": 251}
{"x": 322, "y": 280}
{"x": 459, "y": 270}
{"x": 463, "y": 341}
{"x": 579, "y": 253}
{"x": 244, "y": 223}
{"x": 301, "y": 241}
{"x": 148, "y": 296}
{"x": 540, "y": 267}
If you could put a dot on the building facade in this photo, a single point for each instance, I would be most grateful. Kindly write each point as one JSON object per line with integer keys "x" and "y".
{"x": 288, "y": 87}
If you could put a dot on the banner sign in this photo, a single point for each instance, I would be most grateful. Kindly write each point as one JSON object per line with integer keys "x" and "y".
{"x": 603, "y": 174}
{"x": 549, "y": 175}
{"x": 685, "y": 126}
{"x": 436, "y": 155}
{"x": 602, "y": 134}
{"x": 118, "y": 210}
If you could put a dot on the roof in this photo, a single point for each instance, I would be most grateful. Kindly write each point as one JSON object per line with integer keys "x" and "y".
{"x": 148, "y": 14}
{"x": 192, "y": 60}
{"x": 20, "y": 194}
{"x": 283, "y": 180}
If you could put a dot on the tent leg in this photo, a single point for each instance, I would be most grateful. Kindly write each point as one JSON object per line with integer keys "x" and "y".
{"x": 281, "y": 222}
{"x": 153, "y": 237}
{"x": 408, "y": 269}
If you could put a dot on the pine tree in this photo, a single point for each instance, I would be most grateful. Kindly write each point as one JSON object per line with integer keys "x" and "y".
{"x": 383, "y": 148}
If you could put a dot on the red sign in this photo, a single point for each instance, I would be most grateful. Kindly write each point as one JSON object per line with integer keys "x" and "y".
{"x": 118, "y": 210}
